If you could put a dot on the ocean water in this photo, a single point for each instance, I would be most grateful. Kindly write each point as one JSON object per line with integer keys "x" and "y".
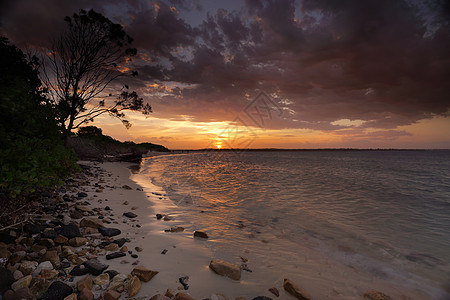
{"x": 384, "y": 215}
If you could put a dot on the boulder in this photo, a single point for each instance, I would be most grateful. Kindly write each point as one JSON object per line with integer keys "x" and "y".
{"x": 85, "y": 294}
{"x": 111, "y": 295}
{"x": 91, "y": 222}
{"x": 183, "y": 296}
{"x": 95, "y": 267}
{"x": 70, "y": 231}
{"x": 102, "y": 279}
{"x": 53, "y": 257}
{"x": 133, "y": 286}
{"x": 143, "y": 273}
{"x": 21, "y": 294}
{"x": 225, "y": 269}
{"x": 294, "y": 290}
{"x": 58, "y": 290}
{"x": 27, "y": 267}
{"x": 86, "y": 282}
{"x": 375, "y": 295}
{"x": 109, "y": 231}
{"x": 22, "y": 283}
{"x": 38, "y": 286}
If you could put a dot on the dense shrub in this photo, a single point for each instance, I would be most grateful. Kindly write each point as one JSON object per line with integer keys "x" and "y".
{"x": 32, "y": 152}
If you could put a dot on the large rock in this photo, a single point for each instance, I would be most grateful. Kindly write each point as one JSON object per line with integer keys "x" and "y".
{"x": 91, "y": 222}
{"x": 375, "y": 295}
{"x": 38, "y": 286}
{"x": 109, "y": 231}
{"x": 133, "y": 286}
{"x": 26, "y": 267}
{"x": 58, "y": 290}
{"x": 20, "y": 294}
{"x": 85, "y": 294}
{"x": 143, "y": 273}
{"x": 22, "y": 283}
{"x": 225, "y": 269}
{"x": 95, "y": 267}
{"x": 102, "y": 279}
{"x": 70, "y": 231}
{"x": 294, "y": 290}
{"x": 86, "y": 282}
{"x": 53, "y": 257}
{"x": 111, "y": 295}
{"x": 183, "y": 296}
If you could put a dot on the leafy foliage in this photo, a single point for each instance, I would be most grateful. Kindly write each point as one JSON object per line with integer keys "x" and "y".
{"x": 84, "y": 62}
{"x": 32, "y": 152}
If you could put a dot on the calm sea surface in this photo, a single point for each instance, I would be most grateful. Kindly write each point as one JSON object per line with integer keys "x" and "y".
{"x": 384, "y": 212}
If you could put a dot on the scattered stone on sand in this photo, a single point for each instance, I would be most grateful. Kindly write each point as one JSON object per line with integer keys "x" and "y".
{"x": 183, "y": 296}
{"x": 95, "y": 267}
{"x": 112, "y": 247}
{"x": 53, "y": 257}
{"x": 200, "y": 234}
{"x": 109, "y": 231}
{"x": 143, "y": 273}
{"x": 218, "y": 296}
{"x": 138, "y": 249}
{"x": 169, "y": 293}
{"x": 91, "y": 222}
{"x": 82, "y": 195}
{"x": 127, "y": 187}
{"x": 159, "y": 297}
{"x": 274, "y": 291}
{"x": 226, "y": 269}
{"x": 115, "y": 255}
{"x": 133, "y": 286}
{"x": 130, "y": 215}
{"x": 175, "y": 229}
{"x": 375, "y": 295}
{"x": 262, "y": 298}
{"x": 60, "y": 239}
{"x": 294, "y": 290}
{"x": 184, "y": 282}
{"x": 159, "y": 216}
{"x": 27, "y": 267}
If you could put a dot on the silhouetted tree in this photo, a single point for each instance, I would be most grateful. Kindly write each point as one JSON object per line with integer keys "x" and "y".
{"x": 84, "y": 61}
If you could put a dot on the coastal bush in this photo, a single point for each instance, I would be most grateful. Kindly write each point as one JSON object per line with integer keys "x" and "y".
{"x": 32, "y": 152}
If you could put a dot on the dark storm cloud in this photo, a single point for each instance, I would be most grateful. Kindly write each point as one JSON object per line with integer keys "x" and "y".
{"x": 384, "y": 62}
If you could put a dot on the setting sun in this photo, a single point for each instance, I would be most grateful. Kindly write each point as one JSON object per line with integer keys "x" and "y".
{"x": 219, "y": 146}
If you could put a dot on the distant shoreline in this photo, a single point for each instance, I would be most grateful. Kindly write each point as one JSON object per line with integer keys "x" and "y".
{"x": 298, "y": 150}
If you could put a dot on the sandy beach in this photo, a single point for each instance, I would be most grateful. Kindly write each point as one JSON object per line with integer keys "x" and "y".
{"x": 189, "y": 256}
{"x": 114, "y": 196}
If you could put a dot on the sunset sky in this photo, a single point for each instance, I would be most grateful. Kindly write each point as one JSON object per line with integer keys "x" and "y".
{"x": 277, "y": 73}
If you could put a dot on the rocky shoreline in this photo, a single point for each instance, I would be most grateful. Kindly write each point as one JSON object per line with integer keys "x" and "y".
{"x": 68, "y": 252}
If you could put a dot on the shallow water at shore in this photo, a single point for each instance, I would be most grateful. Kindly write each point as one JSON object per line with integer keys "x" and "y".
{"x": 366, "y": 218}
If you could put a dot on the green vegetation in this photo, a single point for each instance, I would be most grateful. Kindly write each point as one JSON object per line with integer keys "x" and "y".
{"x": 32, "y": 152}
